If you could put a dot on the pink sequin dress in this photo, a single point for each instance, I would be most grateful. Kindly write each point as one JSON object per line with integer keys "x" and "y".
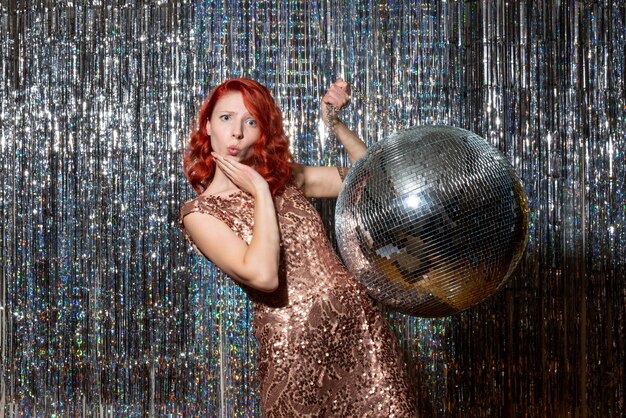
{"x": 324, "y": 348}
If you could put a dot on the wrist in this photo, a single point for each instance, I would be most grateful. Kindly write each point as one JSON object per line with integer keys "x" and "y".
{"x": 332, "y": 120}
{"x": 336, "y": 123}
{"x": 261, "y": 188}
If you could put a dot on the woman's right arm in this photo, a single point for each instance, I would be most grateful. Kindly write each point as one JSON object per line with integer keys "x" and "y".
{"x": 255, "y": 264}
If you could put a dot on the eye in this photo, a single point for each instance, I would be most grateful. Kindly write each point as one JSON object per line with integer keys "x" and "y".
{"x": 225, "y": 118}
{"x": 251, "y": 122}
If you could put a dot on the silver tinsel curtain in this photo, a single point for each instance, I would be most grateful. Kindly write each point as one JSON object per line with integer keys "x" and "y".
{"x": 105, "y": 311}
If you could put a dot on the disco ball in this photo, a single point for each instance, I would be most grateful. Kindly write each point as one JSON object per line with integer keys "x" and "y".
{"x": 432, "y": 220}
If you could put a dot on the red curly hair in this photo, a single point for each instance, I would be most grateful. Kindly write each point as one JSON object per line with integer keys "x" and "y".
{"x": 271, "y": 156}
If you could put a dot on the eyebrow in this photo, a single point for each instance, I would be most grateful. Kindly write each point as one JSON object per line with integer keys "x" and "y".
{"x": 217, "y": 110}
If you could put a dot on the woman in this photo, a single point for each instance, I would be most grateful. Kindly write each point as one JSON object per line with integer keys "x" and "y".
{"x": 324, "y": 348}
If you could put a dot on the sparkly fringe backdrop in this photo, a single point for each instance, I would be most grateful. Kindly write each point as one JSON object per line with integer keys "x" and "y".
{"x": 105, "y": 311}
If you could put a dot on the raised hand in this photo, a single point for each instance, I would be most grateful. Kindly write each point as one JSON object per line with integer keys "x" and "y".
{"x": 243, "y": 176}
{"x": 338, "y": 95}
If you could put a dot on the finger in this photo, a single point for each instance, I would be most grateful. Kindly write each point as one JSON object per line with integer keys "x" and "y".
{"x": 237, "y": 169}
{"x": 341, "y": 93}
{"x": 236, "y": 165}
{"x": 342, "y": 85}
{"x": 230, "y": 159}
{"x": 230, "y": 173}
{"x": 224, "y": 167}
{"x": 334, "y": 96}
{"x": 224, "y": 160}
{"x": 244, "y": 168}
{"x": 216, "y": 156}
{"x": 338, "y": 100}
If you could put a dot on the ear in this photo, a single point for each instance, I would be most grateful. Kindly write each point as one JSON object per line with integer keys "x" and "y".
{"x": 208, "y": 127}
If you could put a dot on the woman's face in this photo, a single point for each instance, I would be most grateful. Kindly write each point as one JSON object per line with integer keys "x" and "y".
{"x": 232, "y": 128}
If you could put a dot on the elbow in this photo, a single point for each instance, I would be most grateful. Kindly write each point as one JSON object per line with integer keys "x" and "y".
{"x": 262, "y": 275}
{"x": 267, "y": 283}
{"x": 266, "y": 279}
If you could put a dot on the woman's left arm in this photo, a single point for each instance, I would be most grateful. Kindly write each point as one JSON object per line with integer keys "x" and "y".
{"x": 326, "y": 181}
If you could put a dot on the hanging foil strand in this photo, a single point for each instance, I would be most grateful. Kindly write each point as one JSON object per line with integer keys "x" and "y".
{"x": 105, "y": 311}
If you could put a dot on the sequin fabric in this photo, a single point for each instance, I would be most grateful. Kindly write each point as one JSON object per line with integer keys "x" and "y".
{"x": 325, "y": 350}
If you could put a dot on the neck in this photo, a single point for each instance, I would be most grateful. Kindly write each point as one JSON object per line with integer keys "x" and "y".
{"x": 220, "y": 182}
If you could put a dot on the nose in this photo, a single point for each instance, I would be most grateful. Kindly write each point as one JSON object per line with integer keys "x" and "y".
{"x": 237, "y": 131}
